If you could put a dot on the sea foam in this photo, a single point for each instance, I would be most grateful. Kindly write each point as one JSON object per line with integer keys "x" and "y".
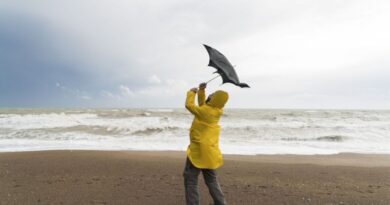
{"x": 242, "y": 131}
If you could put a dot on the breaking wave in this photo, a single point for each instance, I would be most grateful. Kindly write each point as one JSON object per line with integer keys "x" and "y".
{"x": 242, "y": 131}
{"x": 330, "y": 138}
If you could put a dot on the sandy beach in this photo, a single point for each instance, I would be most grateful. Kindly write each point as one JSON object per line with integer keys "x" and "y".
{"x": 127, "y": 177}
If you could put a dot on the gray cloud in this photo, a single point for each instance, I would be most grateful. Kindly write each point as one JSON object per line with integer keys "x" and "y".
{"x": 30, "y": 63}
{"x": 314, "y": 54}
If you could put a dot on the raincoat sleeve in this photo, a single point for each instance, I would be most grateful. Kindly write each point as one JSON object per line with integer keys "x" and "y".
{"x": 201, "y": 97}
{"x": 190, "y": 104}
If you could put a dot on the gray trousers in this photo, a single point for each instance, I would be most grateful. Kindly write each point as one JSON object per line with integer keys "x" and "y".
{"x": 191, "y": 174}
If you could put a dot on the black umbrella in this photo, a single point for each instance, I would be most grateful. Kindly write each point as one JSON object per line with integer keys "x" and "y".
{"x": 224, "y": 68}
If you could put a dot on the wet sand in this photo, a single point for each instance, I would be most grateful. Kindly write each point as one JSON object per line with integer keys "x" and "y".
{"x": 119, "y": 177}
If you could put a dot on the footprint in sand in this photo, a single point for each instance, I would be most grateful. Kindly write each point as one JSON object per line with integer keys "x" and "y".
{"x": 96, "y": 179}
{"x": 374, "y": 186}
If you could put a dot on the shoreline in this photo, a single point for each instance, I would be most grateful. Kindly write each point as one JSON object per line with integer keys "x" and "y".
{"x": 340, "y": 159}
{"x": 147, "y": 177}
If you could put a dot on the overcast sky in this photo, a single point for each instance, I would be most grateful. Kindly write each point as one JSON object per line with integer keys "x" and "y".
{"x": 147, "y": 53}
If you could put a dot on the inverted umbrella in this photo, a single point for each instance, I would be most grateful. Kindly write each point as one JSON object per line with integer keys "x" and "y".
{"x": 224, "y": 68}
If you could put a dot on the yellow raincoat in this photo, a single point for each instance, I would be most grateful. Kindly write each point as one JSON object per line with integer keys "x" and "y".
{"x": 203, "y": 150}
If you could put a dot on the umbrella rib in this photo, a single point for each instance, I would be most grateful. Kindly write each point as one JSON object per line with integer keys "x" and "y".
{"x": 212, "y": 79}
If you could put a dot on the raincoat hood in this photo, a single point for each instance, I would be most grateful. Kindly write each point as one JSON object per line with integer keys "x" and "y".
{"x": 218, "y": 99}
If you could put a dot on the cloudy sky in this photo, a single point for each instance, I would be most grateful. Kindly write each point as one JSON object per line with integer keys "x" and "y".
{"x": 147, "y": 53}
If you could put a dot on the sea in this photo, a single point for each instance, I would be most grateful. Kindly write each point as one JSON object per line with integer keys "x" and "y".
{"x": 243, "y": 131}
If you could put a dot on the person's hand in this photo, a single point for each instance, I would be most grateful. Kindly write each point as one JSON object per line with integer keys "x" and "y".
{"x": 202, "y": 86}
{"x": 195, "y": 90}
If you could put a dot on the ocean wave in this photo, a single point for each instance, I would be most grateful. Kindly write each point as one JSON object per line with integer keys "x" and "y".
{"x": 242, "y": 131}
{"x": 149, "y": 131}
{"x": 160, "y": 110}
{"x": 328, "y": 138}
{"x": 88, "y": 129}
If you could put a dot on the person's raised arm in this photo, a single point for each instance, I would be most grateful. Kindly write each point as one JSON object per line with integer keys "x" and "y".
{"x": 190, "y": 102}
{"x": 202, "y": 94}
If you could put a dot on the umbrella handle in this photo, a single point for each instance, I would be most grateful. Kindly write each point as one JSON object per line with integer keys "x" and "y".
{"x": 212, "y": 79}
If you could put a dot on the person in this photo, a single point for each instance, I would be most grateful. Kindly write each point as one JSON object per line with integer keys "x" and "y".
{"x": 203, "y": 153}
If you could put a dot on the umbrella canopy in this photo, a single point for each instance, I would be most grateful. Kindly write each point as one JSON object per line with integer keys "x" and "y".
{"x": 224, "y": 68}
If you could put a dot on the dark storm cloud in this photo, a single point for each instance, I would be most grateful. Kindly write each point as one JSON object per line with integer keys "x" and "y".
{"x": 30, "y": 63}
{"x": 35, "y": 59}
{"x": 139, "y": 53}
